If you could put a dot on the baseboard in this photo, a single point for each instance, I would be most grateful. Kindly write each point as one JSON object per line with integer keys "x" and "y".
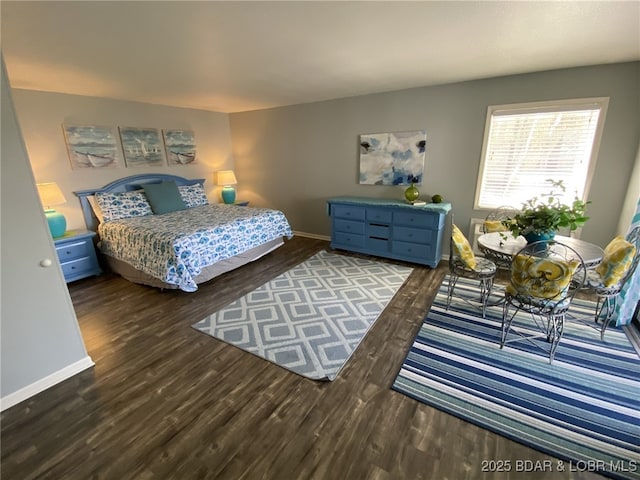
{"x": 312, "y": 235}
{"x": 44, "y": 383}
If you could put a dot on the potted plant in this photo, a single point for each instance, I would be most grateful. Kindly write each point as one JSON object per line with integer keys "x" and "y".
{"x": 541, "y": 217}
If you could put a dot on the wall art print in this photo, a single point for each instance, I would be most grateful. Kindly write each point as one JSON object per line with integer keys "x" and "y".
{"x": 92, "y": 146}
{"x": 180, "y": 146}
{"x": 142, "y": 147}
{"x": 392, "y": 158}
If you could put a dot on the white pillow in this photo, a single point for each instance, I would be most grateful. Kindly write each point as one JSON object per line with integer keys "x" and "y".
{"x": 115, "y": 206}
{"x": 193, "y": 195}
{"x": 96, "y": 208}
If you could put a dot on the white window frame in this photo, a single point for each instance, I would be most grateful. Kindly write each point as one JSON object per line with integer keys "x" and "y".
{"x": 601, "y": 103}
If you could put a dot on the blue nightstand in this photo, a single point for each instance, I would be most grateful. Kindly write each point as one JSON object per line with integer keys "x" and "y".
{"x": 77, "y": 255}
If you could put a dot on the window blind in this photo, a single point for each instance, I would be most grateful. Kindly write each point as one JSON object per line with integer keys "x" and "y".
{"x": 525, "y": 147}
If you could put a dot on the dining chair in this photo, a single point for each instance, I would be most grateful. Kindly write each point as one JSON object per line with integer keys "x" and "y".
{"x": 621, "y": 258}
{"x": 542, "y": 287}
{"x": 493, "y": 223}
{"x": 493, "y": 220}
{"x": 464, "y": 263}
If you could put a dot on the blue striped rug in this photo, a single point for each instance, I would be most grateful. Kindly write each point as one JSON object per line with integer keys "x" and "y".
{"x": 583, "y": 409}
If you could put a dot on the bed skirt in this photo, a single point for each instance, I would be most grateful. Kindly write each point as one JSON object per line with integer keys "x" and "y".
{"x": 136, "y": 276}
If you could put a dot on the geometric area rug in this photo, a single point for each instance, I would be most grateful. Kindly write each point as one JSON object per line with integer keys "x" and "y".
{"x": 583, "y": 409}
{"x": 311, "y": 318}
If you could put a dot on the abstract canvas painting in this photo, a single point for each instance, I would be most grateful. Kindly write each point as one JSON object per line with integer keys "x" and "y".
{"x": 181, "y": 146}
{"x": 392, "y": 158}
{"x": 92, "y": 147}
{"x": 142, "y": 146}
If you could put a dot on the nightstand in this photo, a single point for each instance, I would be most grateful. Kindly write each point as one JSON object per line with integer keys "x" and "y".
{"x": 77, "y": 255}
{"x": 241, "y": 203}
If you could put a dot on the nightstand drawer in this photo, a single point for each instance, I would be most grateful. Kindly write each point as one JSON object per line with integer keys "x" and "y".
{"x": 79, "y": 266}
{"x": 72, "y": 250}
{"x": 77, "y": 255}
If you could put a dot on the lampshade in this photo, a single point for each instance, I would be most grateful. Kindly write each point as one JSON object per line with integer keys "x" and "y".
{"x": 50, "y": 194}
{"x": 226, "y": 177}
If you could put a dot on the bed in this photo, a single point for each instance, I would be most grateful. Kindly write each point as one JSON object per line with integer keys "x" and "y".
{"x": 160, "y": 230}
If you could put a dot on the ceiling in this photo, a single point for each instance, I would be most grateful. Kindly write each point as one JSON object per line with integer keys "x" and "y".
{"x": 237, "y": 56}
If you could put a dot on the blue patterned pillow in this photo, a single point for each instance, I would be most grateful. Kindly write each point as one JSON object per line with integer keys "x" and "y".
{"x": 193, "y": 195}
{"x": 116, "y": 206}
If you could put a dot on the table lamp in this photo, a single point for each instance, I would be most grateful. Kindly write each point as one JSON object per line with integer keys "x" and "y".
{"x": 226, "y": 178}
{"x": 50, "y": 195}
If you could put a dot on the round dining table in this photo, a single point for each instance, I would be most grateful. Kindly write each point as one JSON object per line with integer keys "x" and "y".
{"x": 502, "y": 246}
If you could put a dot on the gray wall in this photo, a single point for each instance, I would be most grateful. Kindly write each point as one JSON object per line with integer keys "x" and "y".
{"x": 42, "y": 114}
{"x": 39, "y": 330}
{"x": 294, "y": 158}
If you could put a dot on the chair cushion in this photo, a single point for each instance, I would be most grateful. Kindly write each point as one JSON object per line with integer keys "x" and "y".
{"x": 540, "y": 277}
{"x": 463, "y": 248}
{"x": 485, "y": 266}
{"x": 491, "y": 226}
{"x": 618, "y": 256}
{"x": 594, "y": 282}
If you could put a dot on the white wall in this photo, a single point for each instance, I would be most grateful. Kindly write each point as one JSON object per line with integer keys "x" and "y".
{"x": 41, "y": 116}
{"x": 41, "y": 341}
{"x": 294, "y": 158}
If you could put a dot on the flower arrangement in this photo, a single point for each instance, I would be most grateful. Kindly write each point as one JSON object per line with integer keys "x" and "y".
{"x": 546, "y": 214}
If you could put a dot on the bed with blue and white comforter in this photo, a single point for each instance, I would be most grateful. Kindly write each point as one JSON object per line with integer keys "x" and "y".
{"x": 175, "y": 247}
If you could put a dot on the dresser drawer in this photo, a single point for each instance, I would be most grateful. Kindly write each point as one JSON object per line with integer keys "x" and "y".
{"x": 71, "y": 250}
{"x": 348, "y": 211}
{"x": 377, "y": 245}
{"x": 412, "y": 250}
{"x": 346, "y": 240}
{"x": 78, "y": 266}
{"x": 414, "y": 235}
{"x": 378, "y": 215}
{"x": 416, "y": 219}
{"x": 348, "y": 226}
{"x": 379, "y": 231}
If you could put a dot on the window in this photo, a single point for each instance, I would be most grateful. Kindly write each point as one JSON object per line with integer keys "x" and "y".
{"x": 527, "y": 144}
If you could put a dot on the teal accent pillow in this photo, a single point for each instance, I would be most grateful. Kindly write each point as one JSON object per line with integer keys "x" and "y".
{"x": 164, "y": 197}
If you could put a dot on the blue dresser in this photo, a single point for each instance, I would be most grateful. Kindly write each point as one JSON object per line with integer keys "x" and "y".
{"x": 388, "y": 228}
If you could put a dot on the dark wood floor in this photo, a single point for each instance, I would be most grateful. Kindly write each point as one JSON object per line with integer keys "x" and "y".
{"x": 166, "y": 401}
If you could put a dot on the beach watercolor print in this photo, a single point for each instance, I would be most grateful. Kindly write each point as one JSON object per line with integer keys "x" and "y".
{"x": 92, "y": 147}
{"x": 180, "y": 146}
{"x": 142, "y": 147}
{"x": 392, "y": 158}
